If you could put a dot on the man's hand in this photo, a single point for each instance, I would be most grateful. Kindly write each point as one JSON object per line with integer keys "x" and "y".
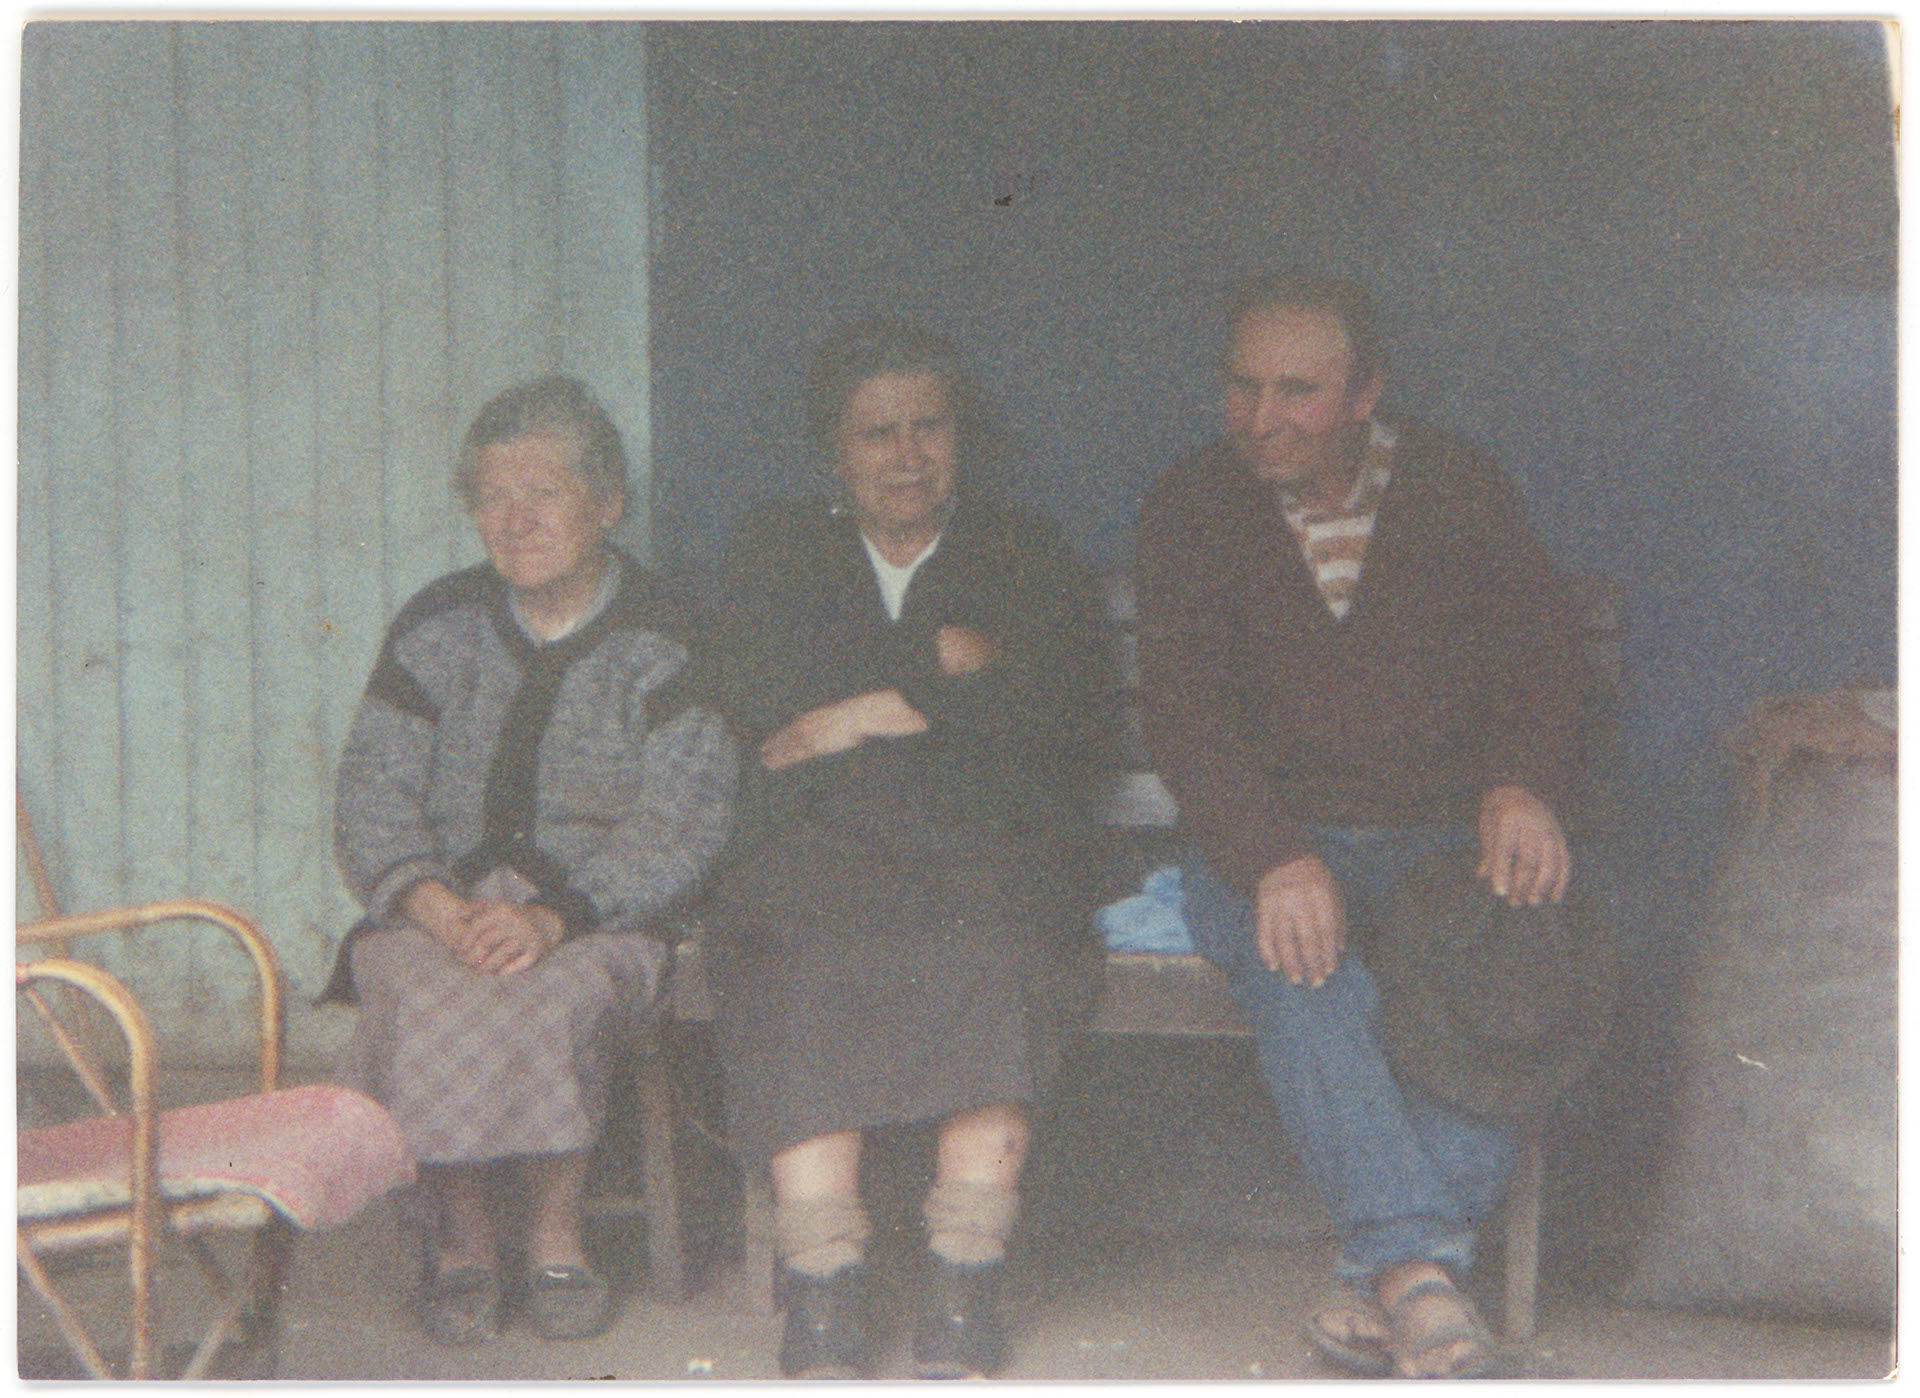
{"x": 1523, "y": 851}
{"x": 1300, "y": 920}
{"x": 837, "y": 727}
{"x": 962, "y": 650}
{"x": 507, "y": 937}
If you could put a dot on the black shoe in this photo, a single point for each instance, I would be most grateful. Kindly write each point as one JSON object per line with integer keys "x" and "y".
{"x": 568, "y": 1303}
{"x": 461, "y": 1307}
{"x": 960, "y": 1335}
{"x": 826, "y": 1336}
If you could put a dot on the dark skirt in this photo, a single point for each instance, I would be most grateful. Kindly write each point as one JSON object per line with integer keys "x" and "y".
{"x": 863, "y": 981}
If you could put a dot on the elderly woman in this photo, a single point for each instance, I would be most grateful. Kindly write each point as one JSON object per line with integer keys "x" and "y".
{"x": 530, "y": 781}
{"x": 903, "y": 936}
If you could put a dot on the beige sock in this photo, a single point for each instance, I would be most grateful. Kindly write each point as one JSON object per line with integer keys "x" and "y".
{"x": 968, "y": 1223}
{"x": 820, "y": 1235}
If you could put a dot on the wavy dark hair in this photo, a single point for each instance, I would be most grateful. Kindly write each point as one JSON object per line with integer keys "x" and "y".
{"x": 867, "y": 348}
{"x": 556, "y": 406}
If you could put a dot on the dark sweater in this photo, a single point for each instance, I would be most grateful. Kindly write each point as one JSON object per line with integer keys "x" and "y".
{"x": 1014, "y": 746}
{"x": 1452, "y": 673}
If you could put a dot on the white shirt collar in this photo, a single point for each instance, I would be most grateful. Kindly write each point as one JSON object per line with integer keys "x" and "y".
{"x": 894, "y": 578}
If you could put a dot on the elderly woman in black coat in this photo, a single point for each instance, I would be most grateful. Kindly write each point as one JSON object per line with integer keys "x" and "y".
{"x": 902, "y": 934}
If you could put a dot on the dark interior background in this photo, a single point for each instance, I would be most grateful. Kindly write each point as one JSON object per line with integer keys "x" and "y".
{"x": 1650, "y": 264}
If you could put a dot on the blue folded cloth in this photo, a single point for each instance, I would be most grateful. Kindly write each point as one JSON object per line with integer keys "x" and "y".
{"x": 1151, "y": 920}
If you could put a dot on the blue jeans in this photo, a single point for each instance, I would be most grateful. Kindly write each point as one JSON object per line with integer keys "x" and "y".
{"x": 1404, "y": 1175}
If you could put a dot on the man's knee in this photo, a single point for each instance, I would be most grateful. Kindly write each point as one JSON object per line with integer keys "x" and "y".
{"x": 1347, "y": 1002}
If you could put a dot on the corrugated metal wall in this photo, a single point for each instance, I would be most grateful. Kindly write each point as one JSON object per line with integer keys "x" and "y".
{"x": 267, "y": 273}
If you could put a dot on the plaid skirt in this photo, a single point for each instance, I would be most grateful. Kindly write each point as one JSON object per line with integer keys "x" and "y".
{"x": 477, "y": 1067}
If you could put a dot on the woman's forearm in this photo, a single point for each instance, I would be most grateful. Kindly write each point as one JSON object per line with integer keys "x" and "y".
{"x": 841, "y": 727}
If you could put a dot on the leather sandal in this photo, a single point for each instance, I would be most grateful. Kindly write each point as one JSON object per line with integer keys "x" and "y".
{"x": 1413, "y": 1336}
{"x": 568, "y": 1303}
{"x": 1339, "y": 1329}
{"x": 461, "y": 1307}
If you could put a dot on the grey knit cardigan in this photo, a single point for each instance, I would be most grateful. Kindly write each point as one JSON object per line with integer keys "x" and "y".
{"x": 594, "y": 765}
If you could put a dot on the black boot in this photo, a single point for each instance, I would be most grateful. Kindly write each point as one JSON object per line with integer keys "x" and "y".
{"x": 960, "y": 1335}
{"x": 826, "y": 1335}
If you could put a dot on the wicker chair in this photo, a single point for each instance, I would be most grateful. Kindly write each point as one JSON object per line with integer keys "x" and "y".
{"x": 129, "y": 1175}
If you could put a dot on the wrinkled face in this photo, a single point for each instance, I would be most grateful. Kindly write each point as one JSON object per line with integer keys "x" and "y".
{"x": 542, "y": 523}
{"x": 895, "y": 453}
{"x": 1293, "y": 416}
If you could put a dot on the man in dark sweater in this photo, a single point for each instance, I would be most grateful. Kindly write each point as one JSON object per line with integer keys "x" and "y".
{"x": 1356, "y": 655}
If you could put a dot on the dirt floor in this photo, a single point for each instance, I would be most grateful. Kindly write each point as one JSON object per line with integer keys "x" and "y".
{"x": 1165, "y": 1238}
{"x": 1115, "y": 1310}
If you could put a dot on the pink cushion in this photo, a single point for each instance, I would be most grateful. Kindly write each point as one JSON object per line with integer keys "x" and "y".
{"x": 318, "y": 1154}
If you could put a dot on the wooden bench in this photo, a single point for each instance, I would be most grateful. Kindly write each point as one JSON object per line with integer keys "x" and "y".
{"x": 1148, "y": 993}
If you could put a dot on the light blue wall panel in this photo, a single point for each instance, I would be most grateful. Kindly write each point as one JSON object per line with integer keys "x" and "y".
{"x": 421, "y": 532}
{"x": 84, "y": 501}
{"x": 530, "y": 139}
{"x": 268, "y": 271}
{"x": 33, "y": 559}
{"x": 219, "y": 779}
{"x": 292, "y": 762}
{"x": 149, "y": 431}
{"x": 604, "y": 247}
{"x": 350, "y": 424}
{"x": 492, "y": 344}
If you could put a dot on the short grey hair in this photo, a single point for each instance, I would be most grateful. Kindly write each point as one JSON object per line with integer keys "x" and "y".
{"x": 556, "y": 406}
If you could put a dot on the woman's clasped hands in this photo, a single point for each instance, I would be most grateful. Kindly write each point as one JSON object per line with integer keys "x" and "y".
{"x": 492, "y": 935}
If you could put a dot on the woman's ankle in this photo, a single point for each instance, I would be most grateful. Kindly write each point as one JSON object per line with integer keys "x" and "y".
{"x": 462, "y": 1235}
{"x": 819, "y": 1236}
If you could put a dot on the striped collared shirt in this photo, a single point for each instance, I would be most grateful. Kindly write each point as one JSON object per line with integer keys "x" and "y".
{"x": 1334, "y": 541}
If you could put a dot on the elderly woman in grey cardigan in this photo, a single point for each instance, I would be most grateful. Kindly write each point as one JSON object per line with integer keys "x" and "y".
{"x": 531, "y": 780}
